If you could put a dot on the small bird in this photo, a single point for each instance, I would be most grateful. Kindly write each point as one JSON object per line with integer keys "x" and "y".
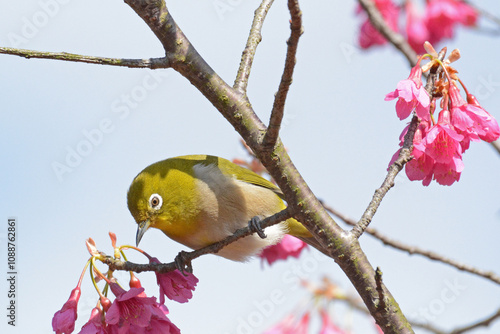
{"x": 198, "y": 200}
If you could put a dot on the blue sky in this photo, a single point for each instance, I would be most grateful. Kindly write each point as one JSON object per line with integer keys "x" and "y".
{"x": 338, "y": 129}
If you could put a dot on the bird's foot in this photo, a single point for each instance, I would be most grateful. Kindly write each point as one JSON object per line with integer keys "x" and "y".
{"x": 255, "y": 226}
{"x": 183, "y": 262}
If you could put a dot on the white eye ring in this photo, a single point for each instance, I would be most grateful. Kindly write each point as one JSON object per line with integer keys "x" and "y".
{"x": 155, "y": 201}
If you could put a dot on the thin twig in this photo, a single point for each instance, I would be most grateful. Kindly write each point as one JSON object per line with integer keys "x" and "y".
{"x": 416, "y": 250}
{"x": 483, "y": 323}
{"x": 484, "y": 12}
{"x": 332, "y": 293}
{"x": 286, "y": 79}
{"x": 189, "y": 256}
{"x": 396, "y": 39}
{"x": 403, "y": 158}
{"x": 394, "y": 169}
{"x": 254, "y": 38}
{"x": 152, "y": 63}
{"x": 496, "y": 145}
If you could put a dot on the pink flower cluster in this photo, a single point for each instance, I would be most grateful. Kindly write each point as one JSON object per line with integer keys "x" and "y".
{"x": 438, "y": 146}
{"x": 439, "y": 21}
{"x": 292, "y": 325}
{"x": 288, "y": 246}
{"x": 131, "y": 311}
{"x": 175, "y": 285}
{"x": 369, "y": 36}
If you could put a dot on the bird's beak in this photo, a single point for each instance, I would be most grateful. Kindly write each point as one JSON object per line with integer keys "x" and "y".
{"x": 141, "y": 229}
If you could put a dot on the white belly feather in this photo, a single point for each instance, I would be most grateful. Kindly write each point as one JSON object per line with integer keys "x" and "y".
{"x": 228, "y": 204}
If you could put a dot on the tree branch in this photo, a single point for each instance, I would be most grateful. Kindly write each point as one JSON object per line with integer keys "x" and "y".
{"x": 484, "y": 13}
{"x": 394, "y": 169}
{"x": 332, "y": 293}
{"x": 254, "y": 38}
{"x": 116, "y": 264}
{"x": 235, "y": 107}
{"x": 416, "y": 250}
{"x": 396, "y": 39}
{"x": 286, "y": 79}
{"x": 151, "y": 63}
{"x": 482, "y": 323}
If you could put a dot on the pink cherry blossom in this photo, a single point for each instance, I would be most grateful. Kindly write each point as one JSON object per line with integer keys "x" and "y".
{"x": 160, "y": 323}
{"x": 416, "y": 30}
{"x": 471, "y": 120}
{"x": 411, "y": 96}
{"x": 134, "y": 312}
{"x": 490, "y": 129}
{"x": 64, "y": 319}
{"x": 283, "y": 327}
{"x": 443, "y": 15}
{"x": 175, "y": 285}
{"x": 447, "y": 174}
{"x": 95, "y": 325}
{"x": 442, "y": 142}
{"x": 468, "y": 15}
{"x": 130, "y": 310}
{"x": 289, "y": 246}
{"x": 460, "y": 117}
{"x": 421, "y": 166}
{"x": 327, "y": 326}
{"x": 302, "y": 326}
{"x": 289, "y": 325}
{"x": 369, "y": 36}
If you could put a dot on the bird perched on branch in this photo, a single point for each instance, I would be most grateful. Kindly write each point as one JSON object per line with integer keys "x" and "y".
{"x": 198, "y": 200}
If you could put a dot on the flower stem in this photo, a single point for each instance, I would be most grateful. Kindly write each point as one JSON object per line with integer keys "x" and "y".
{"x": 135, "y": 248}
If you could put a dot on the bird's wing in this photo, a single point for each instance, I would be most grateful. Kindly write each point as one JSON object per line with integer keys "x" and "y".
{"x": 246, "y": 175}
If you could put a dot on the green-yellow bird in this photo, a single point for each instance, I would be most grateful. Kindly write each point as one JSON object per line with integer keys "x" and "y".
{"x": 197, "y": 200}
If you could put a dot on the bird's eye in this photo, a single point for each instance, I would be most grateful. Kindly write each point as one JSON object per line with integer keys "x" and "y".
{"x": 155, "y": 201}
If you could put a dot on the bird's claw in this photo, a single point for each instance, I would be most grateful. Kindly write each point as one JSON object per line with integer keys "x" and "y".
{"x": 255, "y": 226}
{"x": 183, "y": 263}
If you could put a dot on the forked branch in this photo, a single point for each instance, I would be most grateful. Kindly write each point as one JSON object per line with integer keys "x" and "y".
{"x": 235, "y": 107}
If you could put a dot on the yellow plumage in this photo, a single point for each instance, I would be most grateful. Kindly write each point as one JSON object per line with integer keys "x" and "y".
{"x": 197, "y": 200}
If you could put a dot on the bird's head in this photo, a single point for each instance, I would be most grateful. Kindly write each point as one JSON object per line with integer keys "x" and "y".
{"x": 164, "y": 196}
{"x": 145, "y": 202}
